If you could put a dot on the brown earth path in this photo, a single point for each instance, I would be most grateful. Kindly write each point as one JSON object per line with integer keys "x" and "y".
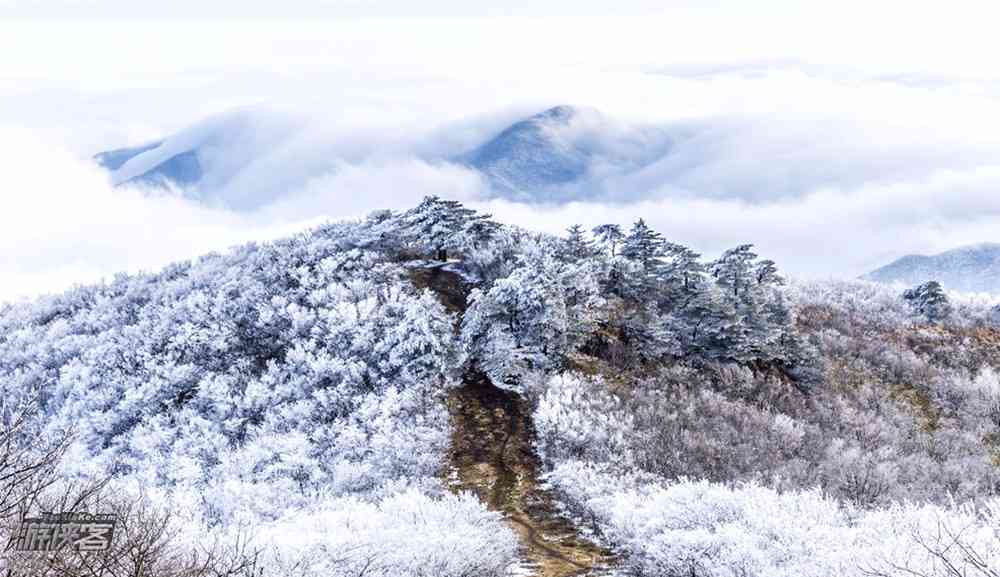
{"x": 492, "y": 454}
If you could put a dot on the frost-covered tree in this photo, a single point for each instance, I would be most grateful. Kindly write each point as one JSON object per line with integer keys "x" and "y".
{"x": 585, "y": 303}
{"x": 734, "y": 271}
{"x": 684, "y": 266}
{"x": 683, "y": 275}
{"x": 609, "y": 236}
{"x": 442, "y": 225}
{"x": 705, "y": 529}
{"x": 643, "y": 245}
{"x": 749, "y": 289}
{"x": 481, "y": 230}
{"x": 929, "y": 300}
{"x": 640, "y": 266}
{"x": 707, "y": 326}
{"x": 518, "y": 328}
{"x": 577, "y": 246}
{"x": 766, "y": 273}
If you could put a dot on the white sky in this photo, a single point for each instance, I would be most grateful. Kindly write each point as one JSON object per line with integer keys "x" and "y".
{"x": 894, "y": 103}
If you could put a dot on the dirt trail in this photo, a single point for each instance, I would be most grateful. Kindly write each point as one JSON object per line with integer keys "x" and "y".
{"x": 492, "y": 454}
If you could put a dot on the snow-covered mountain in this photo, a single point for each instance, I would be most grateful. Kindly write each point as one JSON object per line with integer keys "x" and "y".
{"x": 231, "y": 160}
{"x": 536, "y": 152}
{"x": 564, "y": 153}
{"x": 159, "y": 165}
{"x": 424, "y": 391}
{"x": 974, "y": 268}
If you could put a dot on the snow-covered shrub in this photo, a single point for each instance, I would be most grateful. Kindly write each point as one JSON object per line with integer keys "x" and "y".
{"x": 700, "y": 529}
{"x": 298, "y": 354}
{"x": 578, "y": 418}
{"x": 407, "y": 533}
{"x": 866, "y": 442}
{"x": 886, "y": 467}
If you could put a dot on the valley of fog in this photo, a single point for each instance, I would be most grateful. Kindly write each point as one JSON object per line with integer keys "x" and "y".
{"x": 830, "y": 163}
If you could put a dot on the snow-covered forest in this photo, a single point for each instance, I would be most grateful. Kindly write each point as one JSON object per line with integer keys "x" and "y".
{"x": 288, "y": 404}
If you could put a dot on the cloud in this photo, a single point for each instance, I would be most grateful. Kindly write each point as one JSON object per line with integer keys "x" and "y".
{"x": 392, "y": 183}
{"x": 823, "y": 234}
{"x": 63, "y": 223}
{"x": 763, "y": 125}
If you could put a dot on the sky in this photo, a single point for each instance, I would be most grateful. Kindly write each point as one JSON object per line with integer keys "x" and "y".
{"x": 835, "y": 137}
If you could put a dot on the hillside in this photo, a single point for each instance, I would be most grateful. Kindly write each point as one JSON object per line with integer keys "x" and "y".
{"x": 431, "y": 392}
{"x": 974, "y": 268}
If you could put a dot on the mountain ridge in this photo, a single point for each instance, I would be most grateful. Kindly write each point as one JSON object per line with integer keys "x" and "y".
{"x": 969, "y": 268}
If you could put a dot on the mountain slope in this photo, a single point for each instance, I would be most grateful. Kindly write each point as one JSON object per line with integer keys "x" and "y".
{"x": 152, "y": 165}
{"x": 299, "y": 386}
{"x": 311, "y": 387}
{"x": 533, "y": 153}
{"x": 974, "y": 268}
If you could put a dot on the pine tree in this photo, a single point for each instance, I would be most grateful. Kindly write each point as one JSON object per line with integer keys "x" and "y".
{"x": 733, "y": 271}
{"x": 577, "y": 246}
{"x": 481, "y": 229}
{"x": 441, "y": 225}
{"x": 707, "y": 326}
{"x": 749, "y": 287}
{"x": 683, "y": 275}
{"x": 609, "y": 236}
{"x": 929, "y": 300}
{"x": 584, "y": 302}
{"x": 766, "y": 273}
{"x": 643, "y": 245}
{"x": 642, "y": 252}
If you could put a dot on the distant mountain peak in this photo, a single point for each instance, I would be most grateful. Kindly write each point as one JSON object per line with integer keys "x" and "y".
{"x": 152, "y": 165}
{"x": 207, "y": 160}
{"x": 971, "y": 268}
{"x": 563, "y": 112}
{"x": 533, "y": 153}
